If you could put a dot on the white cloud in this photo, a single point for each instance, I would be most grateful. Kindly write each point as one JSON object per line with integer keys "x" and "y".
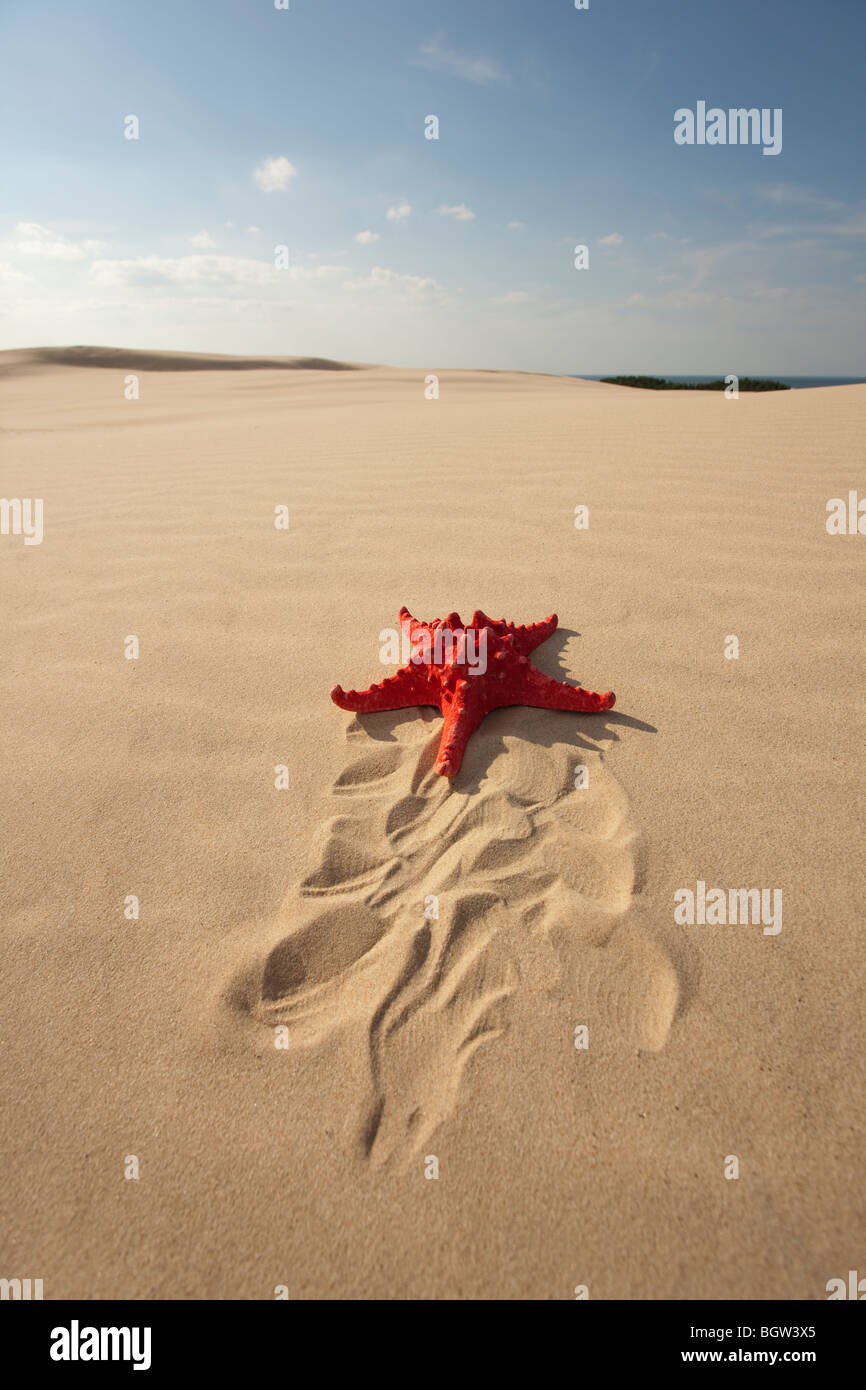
{"x": 382, "y": 278}
{"x": 149, "y": 284}
{"x": 440, "y": 59}
{"x": 796, "y": 195}
{"x": 202, "y": 241}
{"x": 319, "y": 272}
{"x": 614, "y": 239}
{"x": 771, "y": 292}
{"x": 852, "y": 225}
{"x": 254, "y": 229}
{"x": 191, "y": 270}
{"x": 366, "y": 237}
{"x": 36, "y": 240}
{"x": 274, "y": 174}
{"x": 687, "y": 300}
{"x": 399, "y": 212}
{"x": 10, "y": 276}
{"x": 514, "y": 297}
{"x": 703, "y": 262}
{"x": 459, "y": 211}
{"x": 516, "y": 226}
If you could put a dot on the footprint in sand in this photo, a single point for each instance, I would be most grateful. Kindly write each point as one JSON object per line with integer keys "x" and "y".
{"x": 411, "y": 924}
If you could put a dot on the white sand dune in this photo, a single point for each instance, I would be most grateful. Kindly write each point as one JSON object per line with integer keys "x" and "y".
{"x": 426, "y": 948}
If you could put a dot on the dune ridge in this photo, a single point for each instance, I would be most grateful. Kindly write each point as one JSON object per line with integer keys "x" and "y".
{"x": 15, "y": 361}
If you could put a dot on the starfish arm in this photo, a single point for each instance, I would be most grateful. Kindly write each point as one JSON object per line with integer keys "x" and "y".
{"x": 525, "y": 638}
{"x": 411, "y": 625}
{"x": 459, "y": 723}
{"x": 408, "y": 686}
{"x": 534, "y": 688}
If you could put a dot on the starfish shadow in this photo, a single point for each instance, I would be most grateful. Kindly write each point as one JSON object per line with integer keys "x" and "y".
{"x": 393, "y": 725}
{"x": 549, "y": 729}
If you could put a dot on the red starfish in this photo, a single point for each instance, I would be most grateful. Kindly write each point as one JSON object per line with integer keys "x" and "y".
{"x": 462, "y": 688}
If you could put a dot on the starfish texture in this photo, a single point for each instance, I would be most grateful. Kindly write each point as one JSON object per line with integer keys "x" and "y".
{"x": 466, "y": 673}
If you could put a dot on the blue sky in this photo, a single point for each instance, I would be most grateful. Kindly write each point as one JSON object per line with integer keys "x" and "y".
{"x": 305, "y": 127}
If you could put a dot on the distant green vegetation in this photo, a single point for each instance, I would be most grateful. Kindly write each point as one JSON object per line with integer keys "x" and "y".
{"x": 659, "y": 383}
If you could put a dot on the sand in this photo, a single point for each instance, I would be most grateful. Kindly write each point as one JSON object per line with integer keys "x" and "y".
{"x": 292, "y": 1029}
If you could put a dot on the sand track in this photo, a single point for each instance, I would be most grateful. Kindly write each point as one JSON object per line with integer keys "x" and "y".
{"x": 410, "y": 925}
